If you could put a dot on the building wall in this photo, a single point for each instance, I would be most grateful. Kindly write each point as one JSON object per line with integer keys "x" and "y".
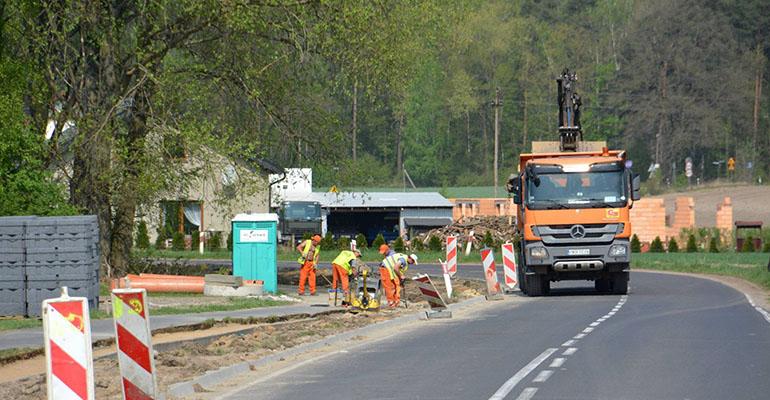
{"x": 471, "y": 207}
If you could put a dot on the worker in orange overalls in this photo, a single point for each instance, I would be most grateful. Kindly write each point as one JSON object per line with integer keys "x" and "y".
{"x": 392, "y": 273}
{"x": 342, "y": 268}
{"x": 308, "y": 259}
{"x": 386, "y": 251}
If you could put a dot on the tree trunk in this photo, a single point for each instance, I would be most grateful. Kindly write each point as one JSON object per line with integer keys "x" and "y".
{"x": 484, "y": 142}
{"x": 467, "y": 132}
{"x": 525, "y": 128}
{"x": 662, "y": 115}
{"x": 399, "y": 146}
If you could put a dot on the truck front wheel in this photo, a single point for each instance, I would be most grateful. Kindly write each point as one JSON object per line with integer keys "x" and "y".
{"x": 537, "y": 285}
{"x": 620, "y": 282}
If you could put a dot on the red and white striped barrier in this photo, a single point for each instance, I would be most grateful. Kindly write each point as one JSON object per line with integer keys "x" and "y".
{"x": 438, "y": 307}
{"x": 134, "y": 343}
{"x": 447, "y": 278}
{"x": 451, "y": 255}
{"x": 509, "y": 266}
{"x": 68, "y": 354}
{"x": 490, "y": 274}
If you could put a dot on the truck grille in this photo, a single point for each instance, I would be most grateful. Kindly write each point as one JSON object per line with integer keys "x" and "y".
{"x": 572, "y": 234}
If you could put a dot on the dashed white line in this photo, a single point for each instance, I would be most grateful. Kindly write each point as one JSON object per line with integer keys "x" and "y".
{"x": 759, "y": 309}
{"x": 557, "y": 362}
{"x": 570, "y": 351}
{"x": 521, "y": 374}
{"x": 594, "y": 324}
{"x": 579, "y": 336}
{"x": 568, "y": 343}
{"x": 527, "y": 393}
{"x": 543, "y": 376}
{"x": 588, "y": 330}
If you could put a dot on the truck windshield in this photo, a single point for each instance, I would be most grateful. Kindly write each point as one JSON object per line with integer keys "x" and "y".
{"x": 576, "y": 190}
{"x": 301, "y": 211}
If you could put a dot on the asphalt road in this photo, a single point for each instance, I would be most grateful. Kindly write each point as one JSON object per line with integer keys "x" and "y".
{"x": 673, "y": 337}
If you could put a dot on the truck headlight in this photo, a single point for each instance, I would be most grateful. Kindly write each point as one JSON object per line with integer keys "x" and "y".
{"x": 617, "y": 250}
{"x": 538, "y": 252}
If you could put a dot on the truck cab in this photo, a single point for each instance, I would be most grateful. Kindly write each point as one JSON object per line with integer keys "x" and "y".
{"x": 573, "y": 217}
{"x": 299, "y": 217}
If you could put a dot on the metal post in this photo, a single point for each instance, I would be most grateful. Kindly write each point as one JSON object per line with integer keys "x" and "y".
{"x": 497, "y": 105}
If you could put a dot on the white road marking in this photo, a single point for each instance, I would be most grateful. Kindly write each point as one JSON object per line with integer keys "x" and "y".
{"x": 570, "y": 351}
{"x": 611, "y": 313}
{"x": 579, "y": 336}
{"x": 759, "y": 309}
{"x": 594, "y": 324}
{"x": 568, "y": 343}
{"x": 557, "y": 362}
{"x": 527, "y": 394}
{"x": 521, "y": 374}
{"x": 588, "y": 330}
{"x": 602, "y": 319}
{"x": 543, "y": 376}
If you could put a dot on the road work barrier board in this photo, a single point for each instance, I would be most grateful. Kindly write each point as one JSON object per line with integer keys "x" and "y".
{"x": 134, "y": 344}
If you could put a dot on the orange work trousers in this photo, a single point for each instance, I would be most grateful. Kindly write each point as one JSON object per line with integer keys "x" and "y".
{"x": 306, "y": 274}
{"x": 392, "y": 287}
{"x": 340, "y": 275}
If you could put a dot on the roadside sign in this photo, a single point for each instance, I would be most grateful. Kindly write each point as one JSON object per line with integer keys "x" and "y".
{"x": 688, "y": 167}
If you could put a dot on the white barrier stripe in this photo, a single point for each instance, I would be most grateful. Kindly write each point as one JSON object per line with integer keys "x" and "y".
{"x": 135, "y": 373}
{"x": 61, "y": 391}
{"x": 134, "y": 323}
{"x": 70, "y": 339}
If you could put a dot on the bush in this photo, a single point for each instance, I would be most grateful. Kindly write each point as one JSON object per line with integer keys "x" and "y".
{"x": 488, "y": 241}
{"x": 766, "y": 247}
{"x": 657, "y": 245}
{"x": 673, "y": 246}
{"x": 177, "y": 241}
{"x": 142, "y": 238}
{"x": 164, "y": 234}
{"x": 636, "y": 245}
{"x": 378, "y": 241}
{"x": 306, "y": 236}
{"x": 214, "y": 242}
{"x": 713, "y": 246}
{"x": 361, "y": 241}
{"x": 434, "y": 244}
{"x": 195, "y": 240}
{"x": 748, "y": 245}
{"x": 398, "y": 245}
{"x": 327, "y": 242}
{"x": 229, "y": 240}
{"x": 417, "y": 244}
{"x": 343, "y": 243}
{"x": 692, "y": 247}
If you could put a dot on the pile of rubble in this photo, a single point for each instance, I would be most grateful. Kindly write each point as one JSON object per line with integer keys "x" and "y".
{"x": 498, "y": 227}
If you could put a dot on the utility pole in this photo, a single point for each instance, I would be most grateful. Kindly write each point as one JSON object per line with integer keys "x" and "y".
{"x": 496, "y": 104}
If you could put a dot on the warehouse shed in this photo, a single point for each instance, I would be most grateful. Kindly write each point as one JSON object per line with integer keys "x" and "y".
{"x": 389, "y": 213}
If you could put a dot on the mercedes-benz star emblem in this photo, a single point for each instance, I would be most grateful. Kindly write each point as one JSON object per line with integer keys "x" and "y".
{"x": 578, "y": 232}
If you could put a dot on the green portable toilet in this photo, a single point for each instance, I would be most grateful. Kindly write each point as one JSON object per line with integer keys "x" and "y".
{"x": 254, "y": 248}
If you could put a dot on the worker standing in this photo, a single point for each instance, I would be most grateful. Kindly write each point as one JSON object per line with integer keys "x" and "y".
{"x": 342, "y": 269}
{"x": 309, "y": 250}
{"x": 392, "y": 273}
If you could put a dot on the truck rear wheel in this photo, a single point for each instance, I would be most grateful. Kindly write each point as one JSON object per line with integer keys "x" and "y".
{"x": 602, "y": 285}
{"x": 620, "y": 282}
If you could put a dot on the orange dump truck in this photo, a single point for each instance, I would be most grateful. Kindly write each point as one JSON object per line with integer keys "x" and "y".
{"x": 573, "y": 214}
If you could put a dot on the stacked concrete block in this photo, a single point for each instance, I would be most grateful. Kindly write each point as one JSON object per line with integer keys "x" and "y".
{"x": 12, "y": 263}
{"x": 51, "y": 252}
{"x": 724, "y": 215}
{"x": 684, "y": 216}
{"x": 648, "y": 219}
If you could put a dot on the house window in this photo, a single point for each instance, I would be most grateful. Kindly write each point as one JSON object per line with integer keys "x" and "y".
{"x": 181, "y": 216}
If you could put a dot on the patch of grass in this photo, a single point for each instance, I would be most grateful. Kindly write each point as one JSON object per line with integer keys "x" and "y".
{"x": 23, "y": 323}
{"x": 173, "y": 254}
{"x": 236, "y": 303}
{"x": 749, "y": 266}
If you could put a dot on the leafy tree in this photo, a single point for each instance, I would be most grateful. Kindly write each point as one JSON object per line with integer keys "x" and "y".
{"x": 398, "y": 245}
{"x": 488, "y": 241}
{"x": 361, "y": 241}
{"x": 307, "y": 236}
{"x": 418, "y": 245}
{"x": 214, "y": 243}
{"x": 748, "y": 245}
{"x": 327, "y": 242}
{"x": 673, "y": 246}
{"x": 378, "y": 241}
{"x": 229, "y": 241}
{"x": 142, "y": 238}
{"x": 766, "y": 247}
{"x": 692, "y": 246}
{"x": 636, "y": 246}
{"x": 657, "y": 245}
{"x": 343, "y": 243}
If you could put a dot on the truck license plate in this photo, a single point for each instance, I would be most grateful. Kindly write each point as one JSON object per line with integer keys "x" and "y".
{"x": 579, "y": 252}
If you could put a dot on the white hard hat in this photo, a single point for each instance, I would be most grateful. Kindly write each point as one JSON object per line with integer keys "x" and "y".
{"x": 413, "y": 257}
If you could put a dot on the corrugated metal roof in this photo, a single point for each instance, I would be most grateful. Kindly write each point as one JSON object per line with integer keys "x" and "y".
{"x": 374, "y": 199}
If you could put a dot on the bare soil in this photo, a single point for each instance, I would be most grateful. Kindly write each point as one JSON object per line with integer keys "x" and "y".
{"x": 192, "y": 360}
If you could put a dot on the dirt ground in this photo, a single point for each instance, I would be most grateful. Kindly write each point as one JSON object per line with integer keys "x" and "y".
{"x": 193, "y": 360}
{"x": 749, "y": 203}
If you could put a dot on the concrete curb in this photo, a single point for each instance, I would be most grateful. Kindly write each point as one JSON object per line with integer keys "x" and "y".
{"x": 215, "y": 377}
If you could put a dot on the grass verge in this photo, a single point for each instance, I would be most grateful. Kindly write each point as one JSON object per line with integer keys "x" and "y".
{"x": 749, "y": 266}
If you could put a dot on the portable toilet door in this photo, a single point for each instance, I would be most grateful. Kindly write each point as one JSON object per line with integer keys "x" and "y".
{"x": 255, "y": 246}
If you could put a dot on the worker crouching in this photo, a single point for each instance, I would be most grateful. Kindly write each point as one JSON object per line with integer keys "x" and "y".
{"x": 342, "y": 269}
{"x": 392, "y": 273}
{"x": 309, "y": 251}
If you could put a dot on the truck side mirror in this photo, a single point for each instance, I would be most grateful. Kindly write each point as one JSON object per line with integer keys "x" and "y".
{"x": 636, "y": 186}
{"x": 514, "y": 187}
